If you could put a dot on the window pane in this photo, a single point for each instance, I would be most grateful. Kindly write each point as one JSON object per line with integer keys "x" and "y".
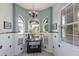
{"x": 76, "y": 40}
{"x": 76, "y": 29}
{"x": 67, "y": 34}
{"x": 76, "y": 12}
{"x": 70, "y": 13}
{"x": 64, "y": 16}
{"x": 67, "y": 14}
{"x": 68, "y": 29}
{"x": 76, "y": 34}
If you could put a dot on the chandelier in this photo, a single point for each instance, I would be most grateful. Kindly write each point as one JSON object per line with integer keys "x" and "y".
{"x": 33, "y": 13}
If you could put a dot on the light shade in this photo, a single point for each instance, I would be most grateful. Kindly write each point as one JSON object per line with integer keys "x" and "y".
{"x": 33, "y": 14}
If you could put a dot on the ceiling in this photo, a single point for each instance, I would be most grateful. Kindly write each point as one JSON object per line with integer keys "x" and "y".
{"x": 37, "y": 6}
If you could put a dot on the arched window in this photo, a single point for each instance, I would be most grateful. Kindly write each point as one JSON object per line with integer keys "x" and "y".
{"x": 45, "y": 25}
{"x": 34, "y": 28}
{"x": 21, "y": 24}
{"x": 45, "y": 30}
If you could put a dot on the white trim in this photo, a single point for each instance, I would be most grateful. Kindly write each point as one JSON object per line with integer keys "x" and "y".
{"x": 62, "y": 25}
{"x": 76, "y": 22}
{"x": 64, "y": 6}
{"x": 71, "y": 23}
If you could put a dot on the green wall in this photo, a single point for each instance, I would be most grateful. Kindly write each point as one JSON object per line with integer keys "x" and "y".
{"x": 43, "y": 14}
{"x": 19, "y": 11}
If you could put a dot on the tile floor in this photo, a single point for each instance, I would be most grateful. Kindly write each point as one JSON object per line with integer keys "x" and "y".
{"x": 43, "y": 53}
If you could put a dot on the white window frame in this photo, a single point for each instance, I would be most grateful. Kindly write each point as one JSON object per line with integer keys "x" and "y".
{"x": 72, "y": 23}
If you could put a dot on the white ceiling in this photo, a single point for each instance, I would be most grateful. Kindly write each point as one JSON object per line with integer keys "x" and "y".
{"x": 37, "y": 6}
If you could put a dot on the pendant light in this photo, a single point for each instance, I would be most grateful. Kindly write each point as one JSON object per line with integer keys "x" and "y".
{"x": 33, "y": 13}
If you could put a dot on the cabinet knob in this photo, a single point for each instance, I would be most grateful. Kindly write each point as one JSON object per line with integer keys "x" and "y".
{"x": 53, "y": 46}
{"x": 59, "y": 45}
{"x": 20, "y": 48}
{"x": 1, "y": 47}
{"x": 10, "y": 46}
{"x": 55, "y": 36}
{"x": 44, "y": 46}
{"x": 8, "y": 36}
{"x": 5, "y": 55}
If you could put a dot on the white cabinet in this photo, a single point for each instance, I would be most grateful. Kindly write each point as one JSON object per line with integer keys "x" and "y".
{"x": 50, "y": 43}
{"x": 7, "y": 43}
{"x": 19, "y": 46}
{"x": 55, "y": 44}
{"x": 18, "y": 49}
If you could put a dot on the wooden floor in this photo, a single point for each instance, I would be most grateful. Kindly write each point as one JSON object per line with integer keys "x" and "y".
{"x": 43, "y": 53}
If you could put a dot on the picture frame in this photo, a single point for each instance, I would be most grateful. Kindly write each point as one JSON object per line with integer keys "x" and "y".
{"x": 7, "y": 25}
